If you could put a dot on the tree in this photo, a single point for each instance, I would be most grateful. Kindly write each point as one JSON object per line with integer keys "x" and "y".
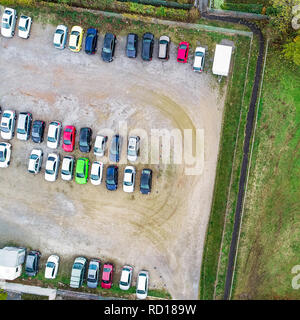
{"x": 291, "y": 50}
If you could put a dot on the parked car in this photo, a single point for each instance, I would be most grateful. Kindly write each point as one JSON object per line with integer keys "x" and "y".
{"x": 146, "y": 181}
{"x": 69, "y": 138}
{"x": 9, "y": 19}
{"x": 38, "y": 129}
{"x": 93, "y": 273}
{"x": 142, "y": 284}
{"x": 133, "y": 149}
{"x": 132, "y": 45}
{"x": 5, "y": 153}
{"x": 100, "y": 145}
{"x": 107, "y": 276}
{"x": 129, "y": 179}
{"x": 126, "y": 277}
{"x": 24, "y": 27}
{"x": 108, "y": 49}
{"x": 115, "y": 148}
{"x": 85, "y": 139}
{"x": 24, "y": 125}
{"x": 52, "y": 166}
{"x": 82, "y": 170}
{"x": 96, "y": 173}
{"x": 112, "y": 173}
{"x": 147, "y": 46}
{"x": 183, "y": 52}
{"x": 75, "y": 40}
{"x": 32, "y": 263}
{"x": 78, "y": 271}
{"x": 163, "y": 47}
{"x": 199, "y": 59}
{"x": 91, "y": 41}
{"x": 8, "y": 123}
{"x": 54, "y": 132}
{"x": 60, "y": 36}
{"x": 35, "y": 161}
{"x": 52, "y": 267}
{"x": 67, "y": 168}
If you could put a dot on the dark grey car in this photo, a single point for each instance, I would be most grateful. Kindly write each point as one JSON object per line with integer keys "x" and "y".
{"x": 93, "y": 273}
{"x": 115, "y": 148}
{"x": 32, "y": 263}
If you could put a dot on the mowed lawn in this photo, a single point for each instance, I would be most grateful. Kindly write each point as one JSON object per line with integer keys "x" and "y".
{"x": 270, "y": 237}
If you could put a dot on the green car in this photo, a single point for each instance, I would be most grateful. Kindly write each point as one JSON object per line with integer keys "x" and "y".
{"x": 82, "y": 170}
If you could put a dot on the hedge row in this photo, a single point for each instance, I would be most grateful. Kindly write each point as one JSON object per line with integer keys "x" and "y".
{"x": 159, "y": 3}
{"x": 250, "y": 8}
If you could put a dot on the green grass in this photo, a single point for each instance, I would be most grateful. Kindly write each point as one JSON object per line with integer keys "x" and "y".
{"x": 28, "y": 296}
{"x": 3, "y": 295}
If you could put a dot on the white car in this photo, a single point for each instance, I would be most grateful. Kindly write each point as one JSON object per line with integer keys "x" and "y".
{"x": 54, "y": 132}
{"x": 9, "y": 19}
{"x": 35, "y": 161}
{"x": 126, "y": 277}
{"x": 100, "y": 145}
{"x": 52, "y": 267}
{"x": 24, "y": 27}
{"x": 199, "y": 59}
{"x": 133, "y": 148}
{"x": 60, "y": 37}
{"x": 142, "y": 284}
{"x": 5, "y": 153}
{"x": 52, "y": 166}
{"x": 67, "y": 168}
{"x": 8, "y": 123}
{"x": 96, "y": 173}
{"x": 129, "y": 179}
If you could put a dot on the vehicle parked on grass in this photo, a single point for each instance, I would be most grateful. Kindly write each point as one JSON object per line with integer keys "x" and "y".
{"x": 129, "y": 179}
{"x": 100, "y": 145}
{"x": 9, "y": 19}
{"x": 54, "y": 132}
{"x": 52, "y": 267}
{"x": 147, "y": 46}
{"x": 69, "y": 138}
{"x": 108, "y": 49}
{"x": 85, "y": 139}
{"x": 115, "y": 148}
{"x": 8, "y": 123}
{"x": 32, "y": 263}
{"x": 67, "y": 168}
{"x": 142, "y": 284}
{"x": 146, "y": 181}
{"x": 112, "y": 173}
{"x": 5, "y": 153}
{"x": 52, "y": 166}
{"x": 35, "y": 161}
{"x": 91, "y": 41}
{"x": 60, "y": 37}
{"x": 78, "y": 271}
{"x": 24, "y": 27}
{"x": 96, "y": 173}
{"x": 183, "y": 52}
{"x": 24, "y": 125}
{"x": 163, "y": 47}
{"x": 75, "y": 40}
{"x": 107, "y": 276}
{"x": 126, "y": 277}
{"x": 93, "y": 273}
{"x": 132, "y": 45}
{"x": 38, "y": 129}
{"x": 82, "y": 170}
{"x": 133, "y": 149}
{"x": 199, "y": 59}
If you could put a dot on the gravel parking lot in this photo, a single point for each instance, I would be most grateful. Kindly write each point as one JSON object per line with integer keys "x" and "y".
{"x": 163, "y": 232}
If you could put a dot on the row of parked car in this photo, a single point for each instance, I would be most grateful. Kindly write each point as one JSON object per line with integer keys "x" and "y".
{"x": 78, "y": 273}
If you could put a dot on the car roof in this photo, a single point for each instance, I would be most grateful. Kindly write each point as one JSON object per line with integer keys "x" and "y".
{"x": 142, "y": 281}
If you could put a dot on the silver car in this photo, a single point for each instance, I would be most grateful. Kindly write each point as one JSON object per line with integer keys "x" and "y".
{"x": 163, "y": 47}
{"x": 93, "y": 273}
{"x": 24, "y": 125}
{"x": 60, "y": 36}
{"x": 133, "y": 149}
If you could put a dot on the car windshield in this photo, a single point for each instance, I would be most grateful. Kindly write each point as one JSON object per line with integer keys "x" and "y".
{"x": 4, "y": 129}
{"x": 163, "y": 41}
{"x": 94, "y": 177}
{"x": 50, "y": 265}
{"x": 51, "y": 139}
{"x": 65, "y": 172}
{"x": 123, "y": 283}
{"x": 2, "y": 155}
{"x": 59, "y": 31}
{"x": 67, "y": 142}
{"x": 97, "y": 149}
{"x": 77, "y": 266}
{"x": 106, "y": 50}
{"x": 80, "y": 175}
{"x": 183, "y": 46}
{"x": 93, "y": 267}
{"x": 199, "y": 54}
{"x": 22, "y": 131}
{"x": 131, "y": 151}
{"x": 75, "y": 33}
{"x": 33, "y": 156}
{"x": 141, "y": 291}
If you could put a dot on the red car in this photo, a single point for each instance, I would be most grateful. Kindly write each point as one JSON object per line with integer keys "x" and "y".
{"x": 107, "y": 275}
{"x": 69, "y": 138}
{"x": 183, "y": 52}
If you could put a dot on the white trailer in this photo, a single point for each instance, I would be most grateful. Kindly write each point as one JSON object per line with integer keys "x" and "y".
{"x": 222, "y": 60}
{"x": 11, "y": 260}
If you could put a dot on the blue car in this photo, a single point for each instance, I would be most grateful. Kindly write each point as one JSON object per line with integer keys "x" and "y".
{"x": 91, "y": 41}
{"x": 115, "y": 148}
{"x": 112, "y": 173}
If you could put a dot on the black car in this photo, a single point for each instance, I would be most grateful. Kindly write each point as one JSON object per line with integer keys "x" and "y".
{"x": 85, "y": 139}
{"x": 108, "y": 48}
{"x": 132, "y": 45}
{"x": 147, "y": 46}
{"x": 146, "y": 181}
{"x": 91, "y": 41}
{"x": 32, "y": 263}
{"x": 112, "y": 174}
{"x": 38, "y": 128}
